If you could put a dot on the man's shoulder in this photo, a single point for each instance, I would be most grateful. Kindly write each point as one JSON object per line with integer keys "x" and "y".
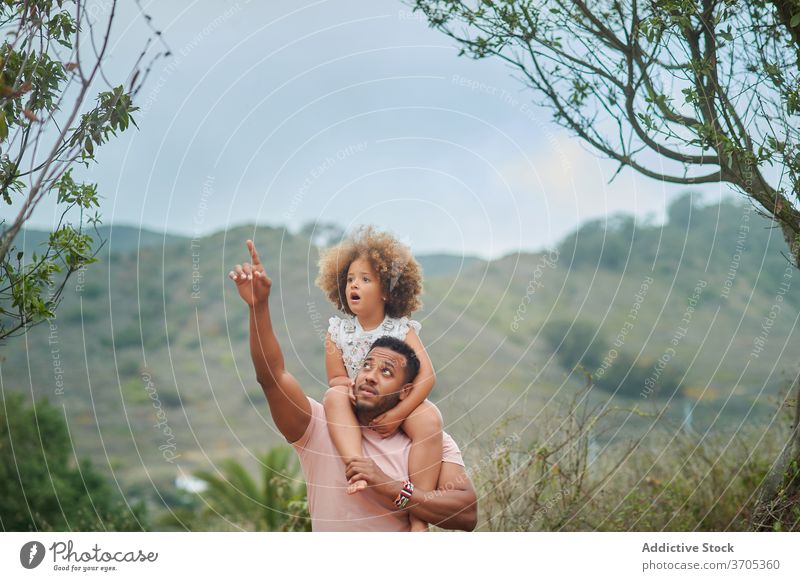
{"x": 315, "y": 405}
{"x": 450, "y": 451}
{"x": 313, "y": 429}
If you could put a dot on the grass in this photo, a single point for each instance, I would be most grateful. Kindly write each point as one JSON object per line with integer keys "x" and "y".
{"x": 667, "y": 480}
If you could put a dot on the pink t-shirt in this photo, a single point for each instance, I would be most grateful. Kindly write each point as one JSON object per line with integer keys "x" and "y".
{"x": 331, "y": 508}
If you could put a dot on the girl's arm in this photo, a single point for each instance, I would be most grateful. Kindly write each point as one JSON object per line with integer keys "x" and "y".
{"x": 422, "y": 386}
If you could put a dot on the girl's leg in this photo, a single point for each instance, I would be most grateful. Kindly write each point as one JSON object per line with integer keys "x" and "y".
{"x": 424, "y": 427}
{"x": 343, "y": 427}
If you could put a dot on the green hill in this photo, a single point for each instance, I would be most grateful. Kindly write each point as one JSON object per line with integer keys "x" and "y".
{"x": 148, "y": 353}
{"x": 115, "y": 239}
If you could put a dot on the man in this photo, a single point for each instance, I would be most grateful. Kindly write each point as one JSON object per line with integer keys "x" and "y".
{"x": 385, "y": 379}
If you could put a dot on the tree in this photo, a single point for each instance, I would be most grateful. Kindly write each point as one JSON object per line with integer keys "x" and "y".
{"x": 683, "y": 91}
{"x": 50, "y": 59}
{"x": 276, "y": 503}
{"x": 710, "y": 86}
{"x": 40, "y": 489}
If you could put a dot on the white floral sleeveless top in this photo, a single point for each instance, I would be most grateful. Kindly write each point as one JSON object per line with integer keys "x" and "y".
{"x": 355, "y": 342}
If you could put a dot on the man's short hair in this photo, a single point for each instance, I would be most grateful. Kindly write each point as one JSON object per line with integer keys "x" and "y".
{"x": 403, "y": 348}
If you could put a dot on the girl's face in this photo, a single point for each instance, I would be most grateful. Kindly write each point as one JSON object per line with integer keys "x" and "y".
{"x": 364, "y": 293}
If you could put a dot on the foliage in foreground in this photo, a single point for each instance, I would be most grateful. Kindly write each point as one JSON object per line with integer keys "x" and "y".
{"x": 42, "y": 488}
{"x": 234, "y": 500}
{"x": 668, "y": 480}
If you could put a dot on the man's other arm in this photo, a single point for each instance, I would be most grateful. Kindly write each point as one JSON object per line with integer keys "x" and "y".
{"x": 453, "y": 505}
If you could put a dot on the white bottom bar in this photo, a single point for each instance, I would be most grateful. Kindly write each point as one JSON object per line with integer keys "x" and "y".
{"x": 401, "y": 556}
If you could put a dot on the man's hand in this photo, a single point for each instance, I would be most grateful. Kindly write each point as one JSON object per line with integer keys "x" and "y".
{"x": 365, "y": 469}
{"x": 453, "y": 505}
{"x": 386, "y": 424}
{"x": 251, "y": 279}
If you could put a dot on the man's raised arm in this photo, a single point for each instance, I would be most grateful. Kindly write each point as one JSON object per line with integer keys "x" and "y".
{"x": 289, "y": 406}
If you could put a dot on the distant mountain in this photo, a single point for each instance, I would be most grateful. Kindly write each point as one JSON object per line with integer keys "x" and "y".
{"x": 117, "y": 239}
{"x": 446, "y": 264}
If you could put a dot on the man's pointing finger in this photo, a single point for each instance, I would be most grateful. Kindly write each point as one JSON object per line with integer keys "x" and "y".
{"x": 253, "y": 254}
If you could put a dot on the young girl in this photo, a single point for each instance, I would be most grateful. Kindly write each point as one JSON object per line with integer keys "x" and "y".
{"x": 375, "y": 280}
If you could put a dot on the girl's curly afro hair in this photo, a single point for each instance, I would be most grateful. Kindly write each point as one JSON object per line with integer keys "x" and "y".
{"x": 400, "y": 274}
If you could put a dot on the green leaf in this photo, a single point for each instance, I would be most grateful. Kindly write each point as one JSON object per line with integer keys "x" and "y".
{"x": 795, "y": 20}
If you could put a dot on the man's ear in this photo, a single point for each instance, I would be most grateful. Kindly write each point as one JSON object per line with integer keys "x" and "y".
{"x": 405, "y": 390}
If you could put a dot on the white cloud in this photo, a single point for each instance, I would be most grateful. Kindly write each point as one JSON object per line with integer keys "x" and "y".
{"x": 569, "y": 185}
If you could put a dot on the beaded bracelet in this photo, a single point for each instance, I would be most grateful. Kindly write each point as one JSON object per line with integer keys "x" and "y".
{"x": 404, "y": 496}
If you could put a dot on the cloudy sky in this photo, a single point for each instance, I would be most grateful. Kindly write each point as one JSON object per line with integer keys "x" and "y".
{"x": 347, "y": 111}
